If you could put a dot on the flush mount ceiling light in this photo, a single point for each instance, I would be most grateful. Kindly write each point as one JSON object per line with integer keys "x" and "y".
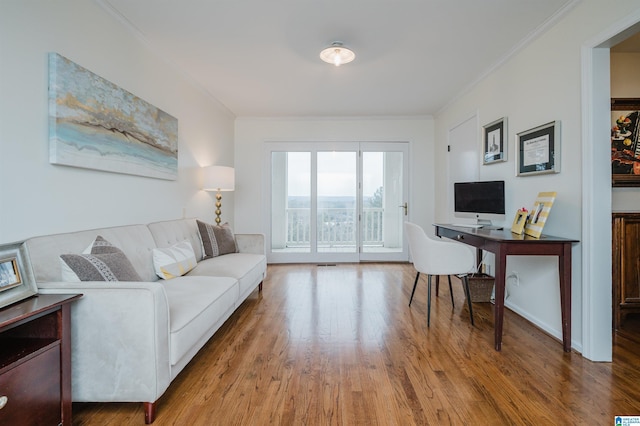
{"x": 337, "y": 54}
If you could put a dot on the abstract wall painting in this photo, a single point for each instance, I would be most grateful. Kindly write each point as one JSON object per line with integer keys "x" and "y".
{"x": 95, "y": 124}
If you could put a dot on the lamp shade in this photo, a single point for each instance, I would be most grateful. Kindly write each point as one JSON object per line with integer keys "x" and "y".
{"x": 218, "y": 178}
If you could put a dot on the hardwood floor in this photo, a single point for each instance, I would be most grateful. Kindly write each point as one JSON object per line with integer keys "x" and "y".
{"x": 338, "y": 345}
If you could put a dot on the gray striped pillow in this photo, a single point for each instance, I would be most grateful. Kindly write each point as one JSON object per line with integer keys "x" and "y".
{"x": 106, "y": 262}
{"x": 216, "y": 239}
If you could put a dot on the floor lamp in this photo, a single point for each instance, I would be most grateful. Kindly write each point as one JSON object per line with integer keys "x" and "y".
{"x": 218, "y": 179}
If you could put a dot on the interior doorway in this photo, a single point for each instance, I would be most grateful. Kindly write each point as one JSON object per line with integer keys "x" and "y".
{"x": 625, "y": 84}
{"x": 596, "y": 206}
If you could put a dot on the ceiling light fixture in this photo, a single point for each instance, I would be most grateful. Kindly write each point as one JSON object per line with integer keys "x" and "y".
{"x": 337, "y": 54}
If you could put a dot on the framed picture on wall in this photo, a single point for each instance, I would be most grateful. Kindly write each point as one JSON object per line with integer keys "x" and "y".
{"x": 495, "y": 137}
{"x": 538, "y": 150}
{"x": 625, "y": 142}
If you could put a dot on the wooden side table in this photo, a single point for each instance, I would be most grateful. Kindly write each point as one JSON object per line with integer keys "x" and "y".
{"x": 625, "y": 266}
{"x": 35, "y": 361}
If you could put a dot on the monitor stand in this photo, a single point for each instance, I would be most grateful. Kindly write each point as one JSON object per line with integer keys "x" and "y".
{"x": 486, "y": 224}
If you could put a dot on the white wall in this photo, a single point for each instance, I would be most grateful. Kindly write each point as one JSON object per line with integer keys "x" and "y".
{"x": 625, "y": 83}
{"x": 39, "y": 198}
{"x": 539, "y": 84}
{"x": 251, "y": 133}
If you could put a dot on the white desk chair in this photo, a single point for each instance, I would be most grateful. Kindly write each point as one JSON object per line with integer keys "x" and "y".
{"x": 438, "y": 257}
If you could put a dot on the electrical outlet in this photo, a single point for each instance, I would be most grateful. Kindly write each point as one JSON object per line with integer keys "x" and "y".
{"x": 514, "y": 278}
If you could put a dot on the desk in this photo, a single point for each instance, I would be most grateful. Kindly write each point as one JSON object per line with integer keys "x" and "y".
{"x": 504, "y": 243}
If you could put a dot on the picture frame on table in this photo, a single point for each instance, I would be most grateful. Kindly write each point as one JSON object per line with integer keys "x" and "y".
{"x": 538, "y": 150}
{"x": 539, "y": 214}
{"x": 16, "y": 276}
{"x": 625, "y": 142}
{"x": 519, "y": 221}
{"x": 495, "y": 142}
{"x": 9, "y": 273}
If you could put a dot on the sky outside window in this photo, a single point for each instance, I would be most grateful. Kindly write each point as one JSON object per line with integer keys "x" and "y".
{"x": 337, "y": 172}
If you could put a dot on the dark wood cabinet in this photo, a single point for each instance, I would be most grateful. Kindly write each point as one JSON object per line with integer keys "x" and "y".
{"x": 35, "y": 361}
{"x": 626, "y": 266}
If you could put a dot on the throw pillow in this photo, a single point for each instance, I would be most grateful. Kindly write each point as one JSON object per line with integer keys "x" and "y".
{"x": 174, "y": 261}
{"x": 216, "y": 239}
{"x": 105, "y": 263}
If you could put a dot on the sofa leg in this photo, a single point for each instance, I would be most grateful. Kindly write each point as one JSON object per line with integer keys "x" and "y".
{"x": 149, "y": 412}
{"x": 260, "y": 286}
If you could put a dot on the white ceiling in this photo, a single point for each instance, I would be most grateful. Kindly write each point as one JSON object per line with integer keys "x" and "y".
{"x": 260, "y": 58}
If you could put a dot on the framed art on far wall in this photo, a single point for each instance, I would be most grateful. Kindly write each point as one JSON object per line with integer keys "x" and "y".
{"x": 494, "y": 141}
{"x": 538, "y": 150}
{"x": 625, "y": 142}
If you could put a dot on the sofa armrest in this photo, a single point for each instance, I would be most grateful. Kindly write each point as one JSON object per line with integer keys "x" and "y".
{"x": 119, "y": 340}
{"x": 251, "y": 243}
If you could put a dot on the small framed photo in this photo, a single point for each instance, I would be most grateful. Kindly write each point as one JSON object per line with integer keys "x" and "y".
{"x": 538, "y": 150}
{"x": 16, "y": 277}
{"x": 9, "y": 273}
{"x": 495, "y": 137}
{"x": 519, "y": 221}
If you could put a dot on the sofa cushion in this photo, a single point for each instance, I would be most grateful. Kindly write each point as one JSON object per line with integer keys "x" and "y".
{"x": 135, "y": 241}
{"x": 216, "y": 239}
{"x": 174, "y": 261}
{"x": 105, "y": 263}
{"x": 169, "y": 232}
{"x": 247, "y": 268}
{"x": 197, "y": 305}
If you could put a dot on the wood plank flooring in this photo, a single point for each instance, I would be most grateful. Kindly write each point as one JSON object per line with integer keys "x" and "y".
{"x": 338, "y": 345}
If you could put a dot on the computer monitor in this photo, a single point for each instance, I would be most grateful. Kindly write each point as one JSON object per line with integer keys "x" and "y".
{"x": 482, "y": 201}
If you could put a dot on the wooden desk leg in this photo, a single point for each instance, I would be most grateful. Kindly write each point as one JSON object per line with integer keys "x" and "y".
{"x": 498, "y": 309}
{"x": 564, "y": 269}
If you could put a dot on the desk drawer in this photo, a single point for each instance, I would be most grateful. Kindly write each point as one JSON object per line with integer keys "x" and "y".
{"x": 32, "y": 390}
{"x": 469, "y": 239}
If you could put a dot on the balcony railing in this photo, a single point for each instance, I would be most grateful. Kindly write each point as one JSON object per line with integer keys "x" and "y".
{"x": 336, "y": 227}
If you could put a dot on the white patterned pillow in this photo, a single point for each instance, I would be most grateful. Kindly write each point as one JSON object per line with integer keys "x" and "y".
{"x": 174, "y": 261}
{"x": 104, "y": 262}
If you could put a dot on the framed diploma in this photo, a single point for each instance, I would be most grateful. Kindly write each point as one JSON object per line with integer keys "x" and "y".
{"x": 538, "y": 150}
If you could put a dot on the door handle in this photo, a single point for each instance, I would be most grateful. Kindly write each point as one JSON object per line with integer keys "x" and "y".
{"x": 406, "y": 208}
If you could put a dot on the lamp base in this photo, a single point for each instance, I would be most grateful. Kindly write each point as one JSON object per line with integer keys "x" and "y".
{"x": 218, "y": 205}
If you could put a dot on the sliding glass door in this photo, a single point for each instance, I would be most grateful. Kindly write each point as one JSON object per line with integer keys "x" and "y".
{"x": 384, "y": 200}
{"x": 337, "y": 203}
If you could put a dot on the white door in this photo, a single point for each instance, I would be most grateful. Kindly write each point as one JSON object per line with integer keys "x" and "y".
{"x": 464, "y": 160}
{"x": 384, "y": 201}
{"x": 337, "y": 202}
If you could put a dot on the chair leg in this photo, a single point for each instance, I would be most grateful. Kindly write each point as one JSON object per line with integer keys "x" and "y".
{"x": 429, "y": 302}
{"x": 437, "y": 285}
{"x": 415, "y": 283}
{"x": 453, "y": 305}
{"x": 465, "y": 281}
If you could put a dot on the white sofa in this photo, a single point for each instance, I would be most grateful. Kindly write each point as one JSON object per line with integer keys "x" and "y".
{"x": 131, "y": 339}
